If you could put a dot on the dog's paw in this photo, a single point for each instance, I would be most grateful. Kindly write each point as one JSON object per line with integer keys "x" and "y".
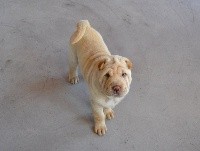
{"x": 100, "y": 129}
{"x": 109, "y": 113}
{"x": 73, "y": 80}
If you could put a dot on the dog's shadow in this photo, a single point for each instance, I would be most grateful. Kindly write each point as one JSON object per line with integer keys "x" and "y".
{"x": 70, "y": 98}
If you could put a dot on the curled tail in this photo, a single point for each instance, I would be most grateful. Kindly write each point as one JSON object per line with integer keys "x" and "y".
{"x": 80, "y": 31}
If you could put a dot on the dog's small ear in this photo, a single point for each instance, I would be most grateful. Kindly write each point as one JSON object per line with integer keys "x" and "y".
{"x": 101, "y": 64}
{"x": 129, "y": 64}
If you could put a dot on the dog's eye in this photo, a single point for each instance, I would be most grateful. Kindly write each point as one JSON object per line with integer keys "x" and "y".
{"x": 124, "y": 74}
{"x": 107, "y": 75}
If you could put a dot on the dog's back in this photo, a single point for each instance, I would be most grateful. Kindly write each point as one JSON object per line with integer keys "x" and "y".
{"x": 87, "y": 45}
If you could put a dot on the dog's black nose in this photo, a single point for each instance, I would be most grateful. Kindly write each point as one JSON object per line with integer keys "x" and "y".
{"x": 116, "y": 89}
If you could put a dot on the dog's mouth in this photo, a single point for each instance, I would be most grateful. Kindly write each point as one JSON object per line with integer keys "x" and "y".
{"x": 115, "y": 90}
{"x": 119, "y": 94}
{"x": 116, "y": 94}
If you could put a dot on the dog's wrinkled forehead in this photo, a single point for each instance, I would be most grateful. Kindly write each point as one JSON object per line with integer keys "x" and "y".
{"x": 112, "y": 60}
{"x": 115, "y": 61}
{"x": 123, "y": 61}
{"x": 117, "y": 58}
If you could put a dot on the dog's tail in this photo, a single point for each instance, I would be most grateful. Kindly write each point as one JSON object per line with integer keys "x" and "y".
{"x": 80, "y": 31}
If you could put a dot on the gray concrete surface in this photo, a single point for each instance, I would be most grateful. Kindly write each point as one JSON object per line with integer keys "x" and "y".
{"x": 39, "y": 111}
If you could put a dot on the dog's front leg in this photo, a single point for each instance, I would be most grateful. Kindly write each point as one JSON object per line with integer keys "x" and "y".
{"x": 99, "y": 119}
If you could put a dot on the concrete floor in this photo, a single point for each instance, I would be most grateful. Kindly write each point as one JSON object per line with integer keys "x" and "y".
{"x": 40, "y": 111}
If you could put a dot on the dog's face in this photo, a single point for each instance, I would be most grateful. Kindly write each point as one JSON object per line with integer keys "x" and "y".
{"x": 115, "y": 76}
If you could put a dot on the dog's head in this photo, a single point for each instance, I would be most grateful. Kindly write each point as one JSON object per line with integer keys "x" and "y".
{"x": 115, "y": 76}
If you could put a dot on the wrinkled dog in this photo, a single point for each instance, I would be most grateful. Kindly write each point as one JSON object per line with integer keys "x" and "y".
{"x": 108, "y": 76}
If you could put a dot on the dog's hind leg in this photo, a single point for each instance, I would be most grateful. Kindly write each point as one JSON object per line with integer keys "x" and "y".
{"x": 73, "y": 66}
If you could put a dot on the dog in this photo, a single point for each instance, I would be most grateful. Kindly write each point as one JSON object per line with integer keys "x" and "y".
{"x": 108, "y": 76}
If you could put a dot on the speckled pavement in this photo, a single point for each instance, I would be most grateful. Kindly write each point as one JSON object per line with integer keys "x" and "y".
{"x": 40, "y": 111}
